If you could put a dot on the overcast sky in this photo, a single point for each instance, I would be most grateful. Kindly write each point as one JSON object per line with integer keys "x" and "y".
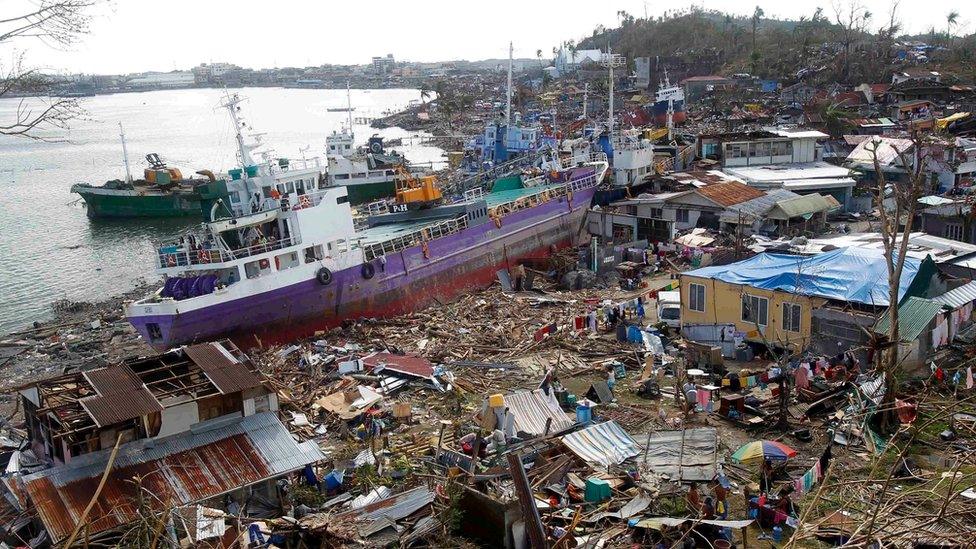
{"x": 139, "y": 35}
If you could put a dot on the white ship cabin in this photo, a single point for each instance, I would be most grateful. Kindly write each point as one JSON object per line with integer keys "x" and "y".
{"x": 289, "y": 230}
{"x": 340, "y": 144}
{"x": 633, "y": 157}
{"x": 268, "y": 185}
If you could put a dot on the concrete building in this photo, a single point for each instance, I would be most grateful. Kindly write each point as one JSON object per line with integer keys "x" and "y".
{"x": 175, "y": 79}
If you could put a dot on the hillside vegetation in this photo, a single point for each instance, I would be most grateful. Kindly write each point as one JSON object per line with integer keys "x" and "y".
{"x": 849, "y": 45}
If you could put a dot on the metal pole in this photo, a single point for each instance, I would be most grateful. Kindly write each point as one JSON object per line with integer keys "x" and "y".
{"x": 125, "y": 155}
{"x": 508, "y": 92}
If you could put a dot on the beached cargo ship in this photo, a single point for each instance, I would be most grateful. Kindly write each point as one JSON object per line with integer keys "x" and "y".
{"x": 284, "y": 272}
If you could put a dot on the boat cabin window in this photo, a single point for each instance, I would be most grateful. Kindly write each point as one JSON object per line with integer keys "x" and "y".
{"x": 342, "y": 176}
{"x": 300, "y": 186}
{"x": 337, "y": 247}
{"x": 254, "y": 269}
{"x": 342, "y": 199}
{"x": 229, "y": 276}
{"x": 313, "y": 254}
{"x": 266, "y": 191}
{"x": 286, "y": 261}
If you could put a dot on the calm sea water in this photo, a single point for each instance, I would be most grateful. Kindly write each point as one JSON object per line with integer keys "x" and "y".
{"x": 49, "y": 249}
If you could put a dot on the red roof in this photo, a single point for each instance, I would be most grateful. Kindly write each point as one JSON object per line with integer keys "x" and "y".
{"x": 405, "y": 364}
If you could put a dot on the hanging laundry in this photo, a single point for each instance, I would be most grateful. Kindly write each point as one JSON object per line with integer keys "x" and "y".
{"x": 801, "y": 379}
{"x": 579, "y": 323}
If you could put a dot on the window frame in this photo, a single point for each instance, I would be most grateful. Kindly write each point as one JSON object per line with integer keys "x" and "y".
{"x": 758, "y": 301}
{"x": 692, "y": 289}
{"x": 792, "y": 314}
{"x": 678, "y": 212}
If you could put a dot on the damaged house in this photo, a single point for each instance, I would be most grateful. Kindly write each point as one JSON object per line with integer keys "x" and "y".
{"x": 190, "y": 425}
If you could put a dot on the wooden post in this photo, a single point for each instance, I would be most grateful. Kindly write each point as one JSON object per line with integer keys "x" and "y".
{"x": 533, "y": 523}
{"x": 440, "y": 439}
{"x": 745, "y": 537}
{"x": 548, "y": 426}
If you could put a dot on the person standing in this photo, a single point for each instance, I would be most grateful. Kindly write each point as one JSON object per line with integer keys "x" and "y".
{"x": 693, "y": 500}
{"x": 765, "y": 476}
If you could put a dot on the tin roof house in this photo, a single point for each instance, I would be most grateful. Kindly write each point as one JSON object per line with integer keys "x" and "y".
{"x": 191, "y": 424}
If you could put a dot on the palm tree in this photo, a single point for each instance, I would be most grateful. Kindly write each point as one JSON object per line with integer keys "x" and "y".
{"x": 756, "y": 16}
{"x": 951, "y": 19}
{"x": 425, "y": 92}
{"x": 538, "y": 53}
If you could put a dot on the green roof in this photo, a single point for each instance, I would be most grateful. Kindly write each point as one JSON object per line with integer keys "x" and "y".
{"x": 914, "y": 316}
{"x": 802, "y": 205}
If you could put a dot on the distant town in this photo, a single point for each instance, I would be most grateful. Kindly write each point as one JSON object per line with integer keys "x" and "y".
{"x": 382, "y": 72}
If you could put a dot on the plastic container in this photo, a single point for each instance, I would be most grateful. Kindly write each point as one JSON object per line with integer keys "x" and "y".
{"x": 777, "y": 534}
{"x": 584, "y": 414}
{"x": 597, "y": 490}
{"x": 496, "y": 400}
{"x": 235, "y": 173}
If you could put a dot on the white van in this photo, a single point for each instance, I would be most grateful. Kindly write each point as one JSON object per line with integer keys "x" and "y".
{"x": 669, "y": 308}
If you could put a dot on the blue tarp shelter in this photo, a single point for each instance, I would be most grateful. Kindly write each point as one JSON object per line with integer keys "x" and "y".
{"x": 853, "y": 274}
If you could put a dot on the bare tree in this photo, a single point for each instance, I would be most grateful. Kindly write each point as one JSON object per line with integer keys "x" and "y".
{"x": 55, "y": 23}
{"x": 852, "y": 19}
{"x": 896, "y": 203}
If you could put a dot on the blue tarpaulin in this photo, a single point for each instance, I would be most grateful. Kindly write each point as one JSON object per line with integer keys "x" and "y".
{"x": 854, "y": 274}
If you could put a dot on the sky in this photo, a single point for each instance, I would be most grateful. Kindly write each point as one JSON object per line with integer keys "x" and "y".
{"x": 141, "y": 35}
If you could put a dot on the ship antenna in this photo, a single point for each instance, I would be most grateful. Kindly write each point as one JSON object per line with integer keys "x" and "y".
{"x": 125, "y": 155}
{"x": 231, "y": 103}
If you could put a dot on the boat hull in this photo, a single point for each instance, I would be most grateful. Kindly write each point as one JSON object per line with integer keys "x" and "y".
{"x": 126, "y": 204}
{"x": 457, "y": 264}
{"x": 368, "y": 192}
{"x": 659, "y": 112}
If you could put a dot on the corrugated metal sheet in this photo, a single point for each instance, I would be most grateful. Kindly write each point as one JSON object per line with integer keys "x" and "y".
{"x": 406, "y": 364}
{"x": 730, "y": 193}
{"x": 756, "y": 207}
{"x": 605, "y": 444}
{"x": 691, "y": 454}
{"x": 228, "y": 375}
{"x": 914, "y": 316}
{"x": 395, "y": 507}
{"x": 121, "y": 396}
{"x": 178, "y": 470}
{"x": 532, "y": 409}
{"x": 960, "y": 296}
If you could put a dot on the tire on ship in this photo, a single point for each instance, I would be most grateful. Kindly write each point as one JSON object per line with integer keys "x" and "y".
{"x": 324, "y": 276}
{"x": 368, "y": 271}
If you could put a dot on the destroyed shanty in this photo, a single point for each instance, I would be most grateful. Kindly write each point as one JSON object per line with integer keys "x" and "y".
{"x": 652, "y": 301}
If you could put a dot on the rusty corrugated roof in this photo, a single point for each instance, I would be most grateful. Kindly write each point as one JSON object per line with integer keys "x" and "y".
{"x": 406, "y": 364}
{"x": 730, "y": 193}
{"x": 227, "y": 373}
{"x": 213, "y": 458}
{"x": 121, "y": 396}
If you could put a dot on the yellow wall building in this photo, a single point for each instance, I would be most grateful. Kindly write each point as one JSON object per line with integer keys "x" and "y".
{"x": 784, "y": 318}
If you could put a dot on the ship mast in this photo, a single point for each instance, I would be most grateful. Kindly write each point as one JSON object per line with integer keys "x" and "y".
{"x": 125, "y": 155}
{"x": 231, "y": 103}
{"x": 349, "y": 108}
{"x": 508, "y": 92}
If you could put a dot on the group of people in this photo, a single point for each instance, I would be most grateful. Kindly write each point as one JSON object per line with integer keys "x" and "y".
{"x": 710, "y": 507}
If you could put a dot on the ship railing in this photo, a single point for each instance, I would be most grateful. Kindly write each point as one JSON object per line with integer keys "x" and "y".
{"x": 430, "y": 232}
{"x": 379, "y": 207}
{"x": 476, "y": 193}
{"x": 545, "y": 194}
{"x": 575, "y": 160}
{"x": 180, "y": 256}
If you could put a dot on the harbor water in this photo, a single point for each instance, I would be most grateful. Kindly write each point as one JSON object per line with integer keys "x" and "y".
{"x": 50, "y": 250}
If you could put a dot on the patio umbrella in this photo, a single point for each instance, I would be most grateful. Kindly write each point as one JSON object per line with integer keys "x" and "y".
{"x": 763, "y": 449}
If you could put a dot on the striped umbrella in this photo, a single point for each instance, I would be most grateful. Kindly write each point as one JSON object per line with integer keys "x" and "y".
{"x": 763, "y": 449}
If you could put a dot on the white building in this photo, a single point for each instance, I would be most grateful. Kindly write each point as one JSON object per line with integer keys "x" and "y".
{"x": 175, "y": 79}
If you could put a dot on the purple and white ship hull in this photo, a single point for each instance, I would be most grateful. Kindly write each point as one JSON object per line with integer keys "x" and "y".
{"x": 406, "y": 280}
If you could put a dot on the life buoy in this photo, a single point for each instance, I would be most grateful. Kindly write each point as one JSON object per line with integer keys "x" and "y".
{"x": 324, "y": 276}
{"x": 368, "y": 271}
{"x": 204, "y": 256}
{"x": 171, "y": 260}
{"x": 305, "y": 201}
{"x": 425, "y": 248}
{"x": 277, "y": 264}
{"x": 264, "y": 264}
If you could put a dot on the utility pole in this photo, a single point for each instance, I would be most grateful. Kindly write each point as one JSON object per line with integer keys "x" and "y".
{"x": 586, "y": 95}
{"x": 610, "y": 111}
{"x": 508, "y": 92}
